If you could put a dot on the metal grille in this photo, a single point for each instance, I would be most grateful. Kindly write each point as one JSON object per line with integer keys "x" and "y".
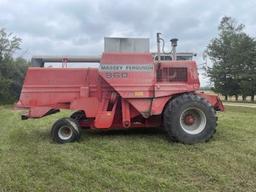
{"x": 166, "y": 74}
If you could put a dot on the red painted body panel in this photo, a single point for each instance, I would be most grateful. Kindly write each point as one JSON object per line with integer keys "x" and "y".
{"x": 134, "y": 83}
{"x": 126, "y": 91}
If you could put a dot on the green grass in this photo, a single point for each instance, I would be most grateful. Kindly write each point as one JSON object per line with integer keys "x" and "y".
{"x": 131, "y": 160}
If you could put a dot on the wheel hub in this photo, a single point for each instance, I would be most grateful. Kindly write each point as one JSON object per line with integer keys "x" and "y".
{"x": 193, "y": 120}
{"x": 65, "y": 133}
{"x": 189, "y": 119}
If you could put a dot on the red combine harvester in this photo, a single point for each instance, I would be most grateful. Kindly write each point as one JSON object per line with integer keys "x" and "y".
{"x": 130, "y": 89}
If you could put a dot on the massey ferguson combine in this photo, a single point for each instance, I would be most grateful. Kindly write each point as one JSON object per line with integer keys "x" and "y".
{"x": 130, "y": 89}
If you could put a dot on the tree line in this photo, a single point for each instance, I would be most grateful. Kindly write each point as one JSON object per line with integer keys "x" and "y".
{"x": 12, "y": 70}
{"x": 233, "y": 57}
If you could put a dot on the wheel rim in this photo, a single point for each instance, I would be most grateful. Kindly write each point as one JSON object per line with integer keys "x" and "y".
{"x": 65, "y": 133}
{"x": 193, "y": 120}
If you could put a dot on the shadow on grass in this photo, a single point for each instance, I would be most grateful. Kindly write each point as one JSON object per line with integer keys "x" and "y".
{"x": 124, "y": 132}
{"x": 150, "y": 134}
{"x": 44, "y": 135}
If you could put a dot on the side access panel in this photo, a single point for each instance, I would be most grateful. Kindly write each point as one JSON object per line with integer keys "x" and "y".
{"x": 55, "y": 88}
{"x": 130, "y": 74}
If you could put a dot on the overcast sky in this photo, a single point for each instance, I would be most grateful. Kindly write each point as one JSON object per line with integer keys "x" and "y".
{"x": 77, "y": 27}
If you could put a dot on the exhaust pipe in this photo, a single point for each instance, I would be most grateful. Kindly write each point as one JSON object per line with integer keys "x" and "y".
{"x": 174, "y": 43}
{"x": 158, "y": 46}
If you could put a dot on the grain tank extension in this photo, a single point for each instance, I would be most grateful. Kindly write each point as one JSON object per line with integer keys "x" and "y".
{"x": 129, "y": 89}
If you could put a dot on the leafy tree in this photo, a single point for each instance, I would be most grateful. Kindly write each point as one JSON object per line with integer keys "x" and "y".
{"x": 233, "y": 56}
{"x": 9, "y": 43}
{"x": 11, "y": 70}
{"x": 247, "y": 71}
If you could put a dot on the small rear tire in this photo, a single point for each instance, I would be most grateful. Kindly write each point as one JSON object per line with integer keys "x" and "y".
{"x": 65, "y": 130}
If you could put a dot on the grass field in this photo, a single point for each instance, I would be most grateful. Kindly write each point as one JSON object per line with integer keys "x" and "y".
{"x": 130, "y": 160}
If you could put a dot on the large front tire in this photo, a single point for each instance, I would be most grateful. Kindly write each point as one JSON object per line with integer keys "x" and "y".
{"x": 189, "y": 119}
